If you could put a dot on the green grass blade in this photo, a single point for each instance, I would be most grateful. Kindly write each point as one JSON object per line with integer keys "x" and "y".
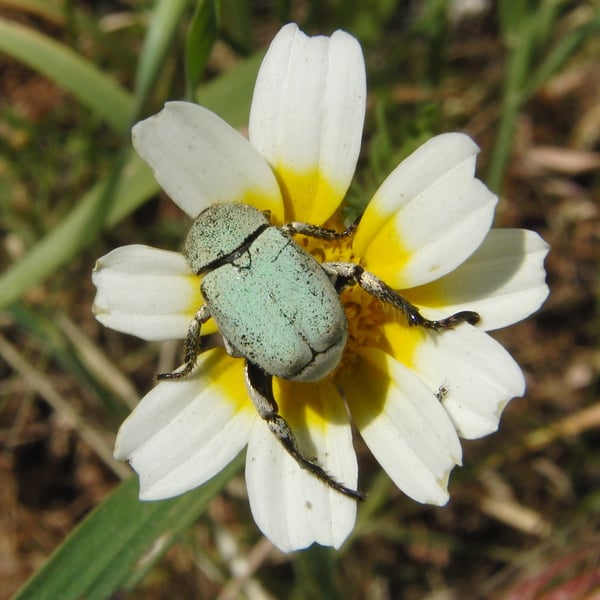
{"x": 547, "y": 14}
{"x": 230, "y": 96}
{"x": 135, "y": 185}
{"x": 518, "y": 39}
{"x": 119, "y": 542}
{"x": 236, "y": 21}
{"x": 315, "y": 570}
{"x": 166, "y": 17}
{"x": 48, "y": 9}
{"x": 201, "y": 36}
{"x": 93, "y": 88}
{"x": 560, "y": 53}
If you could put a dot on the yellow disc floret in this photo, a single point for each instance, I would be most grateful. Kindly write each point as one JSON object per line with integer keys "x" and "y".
{"x": 368, "y": 317}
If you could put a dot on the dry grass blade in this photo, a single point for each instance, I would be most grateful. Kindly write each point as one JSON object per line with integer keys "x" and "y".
{"x": 37, "y": 381}
{"x": 98, "y": 365}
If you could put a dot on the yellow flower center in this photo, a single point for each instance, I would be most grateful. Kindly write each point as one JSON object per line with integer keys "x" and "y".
{"x": 367, "y": 316}
{"x": 371, "y": 324}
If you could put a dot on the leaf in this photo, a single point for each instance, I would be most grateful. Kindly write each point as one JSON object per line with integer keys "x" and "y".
{"x": 119, "y": 542}
{"x": 315, "y": 570}
{"x": 48, "y": 9}
{"x": 559, "y": 53}
{"x": 93, "y": 88}
{"x": 163, "y": 27}
{"x": 201, "y": 36}
{"x": 127, "y": 191}
{"x": 230, "y": 95}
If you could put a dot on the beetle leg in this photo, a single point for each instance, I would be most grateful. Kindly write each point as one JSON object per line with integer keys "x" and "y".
{"x": 260, "y": 388}
{"x": 231, "y": 349}
{"x": 321, "y": 233}
{"x": 347, "y": 274}
{"x": 192, "y": 345}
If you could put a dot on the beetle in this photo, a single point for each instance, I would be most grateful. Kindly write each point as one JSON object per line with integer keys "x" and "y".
{"x": 278, "y": 308}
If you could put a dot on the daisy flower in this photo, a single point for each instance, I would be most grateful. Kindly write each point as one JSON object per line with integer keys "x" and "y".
{"x": 411, "y": 392}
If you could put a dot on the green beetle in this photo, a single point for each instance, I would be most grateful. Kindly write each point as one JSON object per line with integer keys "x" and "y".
{"x": 277, "y": 307}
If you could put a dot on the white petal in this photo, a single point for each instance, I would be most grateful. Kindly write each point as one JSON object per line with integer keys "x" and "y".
{"x": 307, "y": 113}
{"x": 404, "y": 426}
{"x": 504, "y": 280}
{"x": 479, "y": 375}
{"x": 146, "y": 292}
{"x": 200, "y": 160}
{"x": 290, "y": 505}
{"x": 184, "y": 432}
{"x": 428, "y": 216}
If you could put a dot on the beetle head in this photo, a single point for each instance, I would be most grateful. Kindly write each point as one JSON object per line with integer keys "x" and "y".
{"x": 219, "y": 231}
